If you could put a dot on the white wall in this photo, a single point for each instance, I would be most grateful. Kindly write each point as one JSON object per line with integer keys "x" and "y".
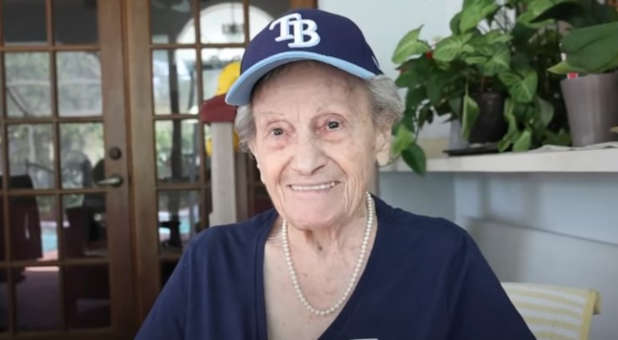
{"x": 547, "y": 228}
{"x": 432, "y": 195}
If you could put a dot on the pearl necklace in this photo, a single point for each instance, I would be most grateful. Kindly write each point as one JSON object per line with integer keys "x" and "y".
{"x": 357, "y": 267}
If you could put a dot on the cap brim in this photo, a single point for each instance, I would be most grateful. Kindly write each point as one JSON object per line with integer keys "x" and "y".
{"x": 240, "y": 92}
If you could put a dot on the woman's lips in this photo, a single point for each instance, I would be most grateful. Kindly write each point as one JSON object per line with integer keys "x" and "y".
{"x": 313, "y": 187}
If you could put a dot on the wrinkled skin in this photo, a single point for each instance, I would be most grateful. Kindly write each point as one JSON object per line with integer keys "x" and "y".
{"x": 316, "y": 146}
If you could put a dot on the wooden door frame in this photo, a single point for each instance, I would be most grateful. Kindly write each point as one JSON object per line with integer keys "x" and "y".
{"x": 116, "y": 131}
{"x": 144, "y": 196}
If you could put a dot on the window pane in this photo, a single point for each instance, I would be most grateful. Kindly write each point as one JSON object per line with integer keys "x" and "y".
{"x": 69, "y": 14}
{"x": 178, "y": 219}
{"x": 171, "y": 21}
{"x": 27, "y": 84}
{"x": 81, "y": 154}
{"x": 38, "y": 298}
{"x": 86, "y": 293}
{"x": 79, "y": 84}
{"x": 177, "y": 150}
{"x": 174, "y": 83}
{"x": 24, "y": 22}
{"x": 222, "y": 22}
{"x": 33, "y": 228}
{"x": 213, "y": 61}
{"x": 31, "y": 161}
{"x": 4, "y": 308}
{"x": 262, "y": 12}
{"x": 84, "y": 225}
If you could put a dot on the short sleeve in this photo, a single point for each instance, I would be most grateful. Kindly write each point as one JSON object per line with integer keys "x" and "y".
{"x": 480, "y": 309}
{"x": 166, "y": 319}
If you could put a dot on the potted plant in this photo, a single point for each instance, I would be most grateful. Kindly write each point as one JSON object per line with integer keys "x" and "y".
{"x": 486, "y": 56}
{"x": 591, "y": 60}
{"x": 591, "y": 91}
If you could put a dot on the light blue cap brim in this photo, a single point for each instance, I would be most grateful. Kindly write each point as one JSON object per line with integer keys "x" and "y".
{"x": 240, "y": 92}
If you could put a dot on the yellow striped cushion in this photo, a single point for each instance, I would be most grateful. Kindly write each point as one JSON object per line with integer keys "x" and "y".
{"x": 554, "y": 312}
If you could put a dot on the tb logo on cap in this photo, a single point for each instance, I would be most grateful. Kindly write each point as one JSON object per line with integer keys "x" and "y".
{"x": 301, "y": 29}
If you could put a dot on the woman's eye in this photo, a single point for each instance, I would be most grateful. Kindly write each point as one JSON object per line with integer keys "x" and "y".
{"x": 333, "y": 125}
{"x": 276, "y": 131}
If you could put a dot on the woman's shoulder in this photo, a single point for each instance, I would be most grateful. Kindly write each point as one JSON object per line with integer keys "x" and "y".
{"x": 401, "y": 218}
{"x": 234, "y": 235}
{"x": 410, "y": 226}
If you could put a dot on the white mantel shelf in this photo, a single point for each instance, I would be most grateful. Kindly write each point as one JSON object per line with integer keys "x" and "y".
{"x": 582, "y": 161}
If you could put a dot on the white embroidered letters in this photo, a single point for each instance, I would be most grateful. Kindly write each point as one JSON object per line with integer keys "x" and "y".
{"x": 301, "y": 28}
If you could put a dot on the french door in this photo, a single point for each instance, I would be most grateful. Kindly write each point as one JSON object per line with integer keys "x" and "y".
{"x": 65, "y": 233}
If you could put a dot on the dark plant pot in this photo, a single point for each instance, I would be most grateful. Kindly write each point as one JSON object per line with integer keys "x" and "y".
{"x": 592, "y": 107}
{"x": 490, "y": 125}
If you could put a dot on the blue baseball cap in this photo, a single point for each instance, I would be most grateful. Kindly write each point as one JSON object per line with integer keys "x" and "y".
{"x": 303, "y": 34}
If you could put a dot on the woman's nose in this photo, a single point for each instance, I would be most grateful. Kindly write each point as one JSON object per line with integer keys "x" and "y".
{"x": 308, "y": 157}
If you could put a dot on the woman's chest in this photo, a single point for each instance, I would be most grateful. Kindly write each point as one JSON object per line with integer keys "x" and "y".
{"x": 286, "y": 316}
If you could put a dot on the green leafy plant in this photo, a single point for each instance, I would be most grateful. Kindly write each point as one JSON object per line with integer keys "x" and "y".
{"x": 592, "y": 49}
{"x": 488, "y": 51}
{"x": 590, "y": 43}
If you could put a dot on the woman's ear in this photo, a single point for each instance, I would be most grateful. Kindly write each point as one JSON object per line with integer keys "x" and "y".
{"x": 383, "y": 145}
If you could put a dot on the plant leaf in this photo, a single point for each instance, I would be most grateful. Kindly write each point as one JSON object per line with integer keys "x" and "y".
{"x": 593, "y": 48}
{"x": 523, "y": 142}
{"x": 561, "y": 137}
{"x": 512, "y": 133}
{"x": 414, "y": 97}
{"x": 545, "y": 111}
{"x": 474, "y": 12}
{"x": 538, "y": 10}
{"x": 410, "y": 45}
{"x": 414, "y": 156}
{"x": 406, "y": 77}
{"x": 499, "y": 62}
{"x": 475, "y": 60}
{"x": 496, "y": 37}
{"x": 470, "y": 114}
{"x": 451, "y": 47}
{"x": 523, "y": 87}
{"x": 454, "y": 23}
{"x": 455, "y": 106}
{"x": 563, "y": 67}
{"x": 402, "y": 139}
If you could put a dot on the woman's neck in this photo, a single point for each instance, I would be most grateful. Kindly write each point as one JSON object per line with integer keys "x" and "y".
{"x": 329, "y": 240}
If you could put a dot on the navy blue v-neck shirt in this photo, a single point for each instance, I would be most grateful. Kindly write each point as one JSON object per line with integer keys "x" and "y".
{"x": 425, "y": 279}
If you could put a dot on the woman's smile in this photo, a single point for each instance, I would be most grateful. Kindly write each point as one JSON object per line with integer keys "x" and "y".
{"x": 324, "y": 186}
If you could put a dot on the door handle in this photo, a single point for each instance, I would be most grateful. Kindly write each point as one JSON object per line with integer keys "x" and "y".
{"x": 111, "y": 181}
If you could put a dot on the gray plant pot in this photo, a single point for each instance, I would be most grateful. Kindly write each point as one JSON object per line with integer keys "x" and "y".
{"x": 592, "y": 107}
{"x": 456, "y": 141}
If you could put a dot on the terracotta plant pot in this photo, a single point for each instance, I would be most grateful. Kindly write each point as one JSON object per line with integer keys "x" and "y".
{"x": 592, "y": 107}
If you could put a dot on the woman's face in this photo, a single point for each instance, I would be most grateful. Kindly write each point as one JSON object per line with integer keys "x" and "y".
{"x": 315, "y": 144}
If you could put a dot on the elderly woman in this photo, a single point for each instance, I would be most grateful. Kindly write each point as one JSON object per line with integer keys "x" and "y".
{"x": 330, "y": 261}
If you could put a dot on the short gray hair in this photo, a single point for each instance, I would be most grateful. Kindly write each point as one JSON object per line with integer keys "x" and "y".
{"x": 386, "y": 108}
